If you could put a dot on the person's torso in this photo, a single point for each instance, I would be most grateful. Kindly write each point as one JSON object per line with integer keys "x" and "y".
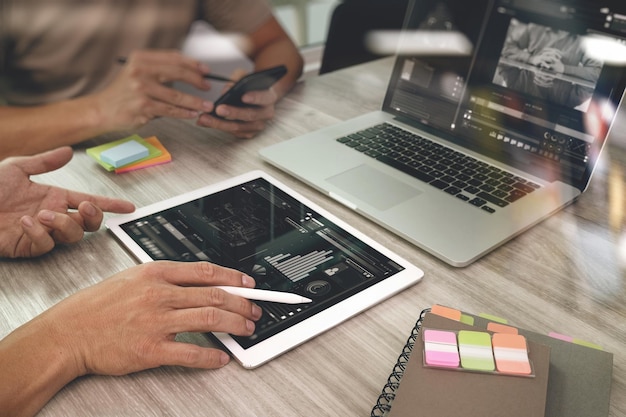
{"x": 54, "y": 50}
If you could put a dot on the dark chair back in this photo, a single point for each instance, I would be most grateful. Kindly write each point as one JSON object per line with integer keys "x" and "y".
{"x": 350, "y": 23}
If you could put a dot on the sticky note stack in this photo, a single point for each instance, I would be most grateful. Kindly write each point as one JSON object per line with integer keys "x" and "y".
{"x": 124, "y": 153}
{"x": 129, "y": 154}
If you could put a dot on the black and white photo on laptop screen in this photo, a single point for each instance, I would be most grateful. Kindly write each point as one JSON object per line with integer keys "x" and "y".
{"x": 526, "y": 93}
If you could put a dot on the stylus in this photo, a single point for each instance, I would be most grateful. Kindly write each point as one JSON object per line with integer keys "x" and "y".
{"x": 122, "y": 60}
{"x": 266, "y": 295}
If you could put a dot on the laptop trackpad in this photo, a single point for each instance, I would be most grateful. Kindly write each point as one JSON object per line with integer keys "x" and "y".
{"x": 374, "y": 187}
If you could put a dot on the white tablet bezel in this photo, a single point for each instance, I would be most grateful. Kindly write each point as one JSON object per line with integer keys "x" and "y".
{"x": 310, "y": 327}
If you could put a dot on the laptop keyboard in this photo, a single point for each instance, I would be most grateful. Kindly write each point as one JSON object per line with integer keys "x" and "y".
{"x": 476, "y": 182}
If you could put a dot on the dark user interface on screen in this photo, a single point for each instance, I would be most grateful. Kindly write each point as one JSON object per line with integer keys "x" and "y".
{"x": 526, "y": 89}
{"x": 262, "y": 231}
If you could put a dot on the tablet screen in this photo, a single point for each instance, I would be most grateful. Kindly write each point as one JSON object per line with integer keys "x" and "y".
{"x": 282, "y": 243}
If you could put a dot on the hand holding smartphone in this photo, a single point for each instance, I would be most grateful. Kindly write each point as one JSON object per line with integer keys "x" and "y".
{"x": 260, "y": 80}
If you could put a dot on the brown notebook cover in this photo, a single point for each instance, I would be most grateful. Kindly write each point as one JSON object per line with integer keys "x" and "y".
{"x": 427, "y": 392}
{"x": 579, "y": 380}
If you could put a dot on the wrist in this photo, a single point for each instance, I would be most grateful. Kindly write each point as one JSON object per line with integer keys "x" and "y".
{"x": 93, "y": 119}
{"x": 61, "y": 346}
{"x": 34, "y": 366}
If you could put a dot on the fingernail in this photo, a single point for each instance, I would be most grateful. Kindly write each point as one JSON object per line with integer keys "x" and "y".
{"x": 250, "y": 326}
{"x": 224, "y": 358}
{"x": 90, "y": 210}
{"x": 46, "y": 215}
{"x": 27, "y": 221}
{"x": 206, "y": 121}
{"x": 224, "y": 112}
{"x": 207, "y": 105}
{"x": 247, "y": 281}
{"x": 256, "y": 311}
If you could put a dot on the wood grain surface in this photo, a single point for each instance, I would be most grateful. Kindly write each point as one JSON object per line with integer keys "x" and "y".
{"x": 567, "y": 274}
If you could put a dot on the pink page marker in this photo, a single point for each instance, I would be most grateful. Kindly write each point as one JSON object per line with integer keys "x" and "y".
{"x": 440, "y": 349}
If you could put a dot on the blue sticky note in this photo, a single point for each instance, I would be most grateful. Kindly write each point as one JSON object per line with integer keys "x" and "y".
{"x": 124, "y": 153}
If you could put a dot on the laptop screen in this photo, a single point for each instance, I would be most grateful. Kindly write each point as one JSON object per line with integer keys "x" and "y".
{"x": 527, "y": 82}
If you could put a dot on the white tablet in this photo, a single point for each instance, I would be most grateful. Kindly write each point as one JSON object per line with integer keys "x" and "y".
{"x": 259, "y": 226}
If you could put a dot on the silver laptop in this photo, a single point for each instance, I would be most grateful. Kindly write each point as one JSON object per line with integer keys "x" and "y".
{"x": 475, "y": 145}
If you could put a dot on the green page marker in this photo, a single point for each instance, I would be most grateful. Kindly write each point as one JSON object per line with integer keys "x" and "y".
{"x": 475, "y": 350}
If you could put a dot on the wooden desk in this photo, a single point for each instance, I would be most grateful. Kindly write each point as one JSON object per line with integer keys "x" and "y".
{"x": 563, "y": 275}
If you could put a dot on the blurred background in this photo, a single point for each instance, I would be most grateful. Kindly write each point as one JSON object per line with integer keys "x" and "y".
{"x": 307, "y": 23}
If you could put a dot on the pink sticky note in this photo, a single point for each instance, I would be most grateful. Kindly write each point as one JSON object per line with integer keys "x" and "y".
{"x": 440, "y": 348}
{"x": 561, "y": 337}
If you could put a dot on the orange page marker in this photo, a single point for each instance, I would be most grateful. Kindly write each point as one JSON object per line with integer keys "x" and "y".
{"x": 511, "y": 353}
{"x": 501, "y": 328}
{"x": 446, "y": 312}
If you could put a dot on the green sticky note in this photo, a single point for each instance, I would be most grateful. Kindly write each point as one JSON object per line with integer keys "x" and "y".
{"x": 475, "y": 350}
{"x": 493, "y": 318}
{"x": 587, "y": 344}
{"x": 467, "y": 319}
{"x": 97, "y": 150}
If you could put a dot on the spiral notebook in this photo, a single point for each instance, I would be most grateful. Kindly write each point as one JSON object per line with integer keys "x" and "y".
{"x": 571, "y": 379}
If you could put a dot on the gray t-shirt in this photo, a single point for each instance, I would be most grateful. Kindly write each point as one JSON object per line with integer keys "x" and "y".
{"x": 55, "y": 50}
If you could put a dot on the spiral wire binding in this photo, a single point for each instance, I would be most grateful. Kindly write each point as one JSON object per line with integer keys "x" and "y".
{"x": 388, "y": 393}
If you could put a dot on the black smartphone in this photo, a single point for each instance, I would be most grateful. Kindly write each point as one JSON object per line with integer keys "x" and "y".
{"x": 261, "y": 80}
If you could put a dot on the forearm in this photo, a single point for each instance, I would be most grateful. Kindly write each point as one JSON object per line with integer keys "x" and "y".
{"x": 586, "y": 73}
{"x": 33, "y": 368}
{"x": 281, "y": 51}
{"x": 517, "y": 54}
{"x": 272, "y": 46}
{"x": 30, "y": 130}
